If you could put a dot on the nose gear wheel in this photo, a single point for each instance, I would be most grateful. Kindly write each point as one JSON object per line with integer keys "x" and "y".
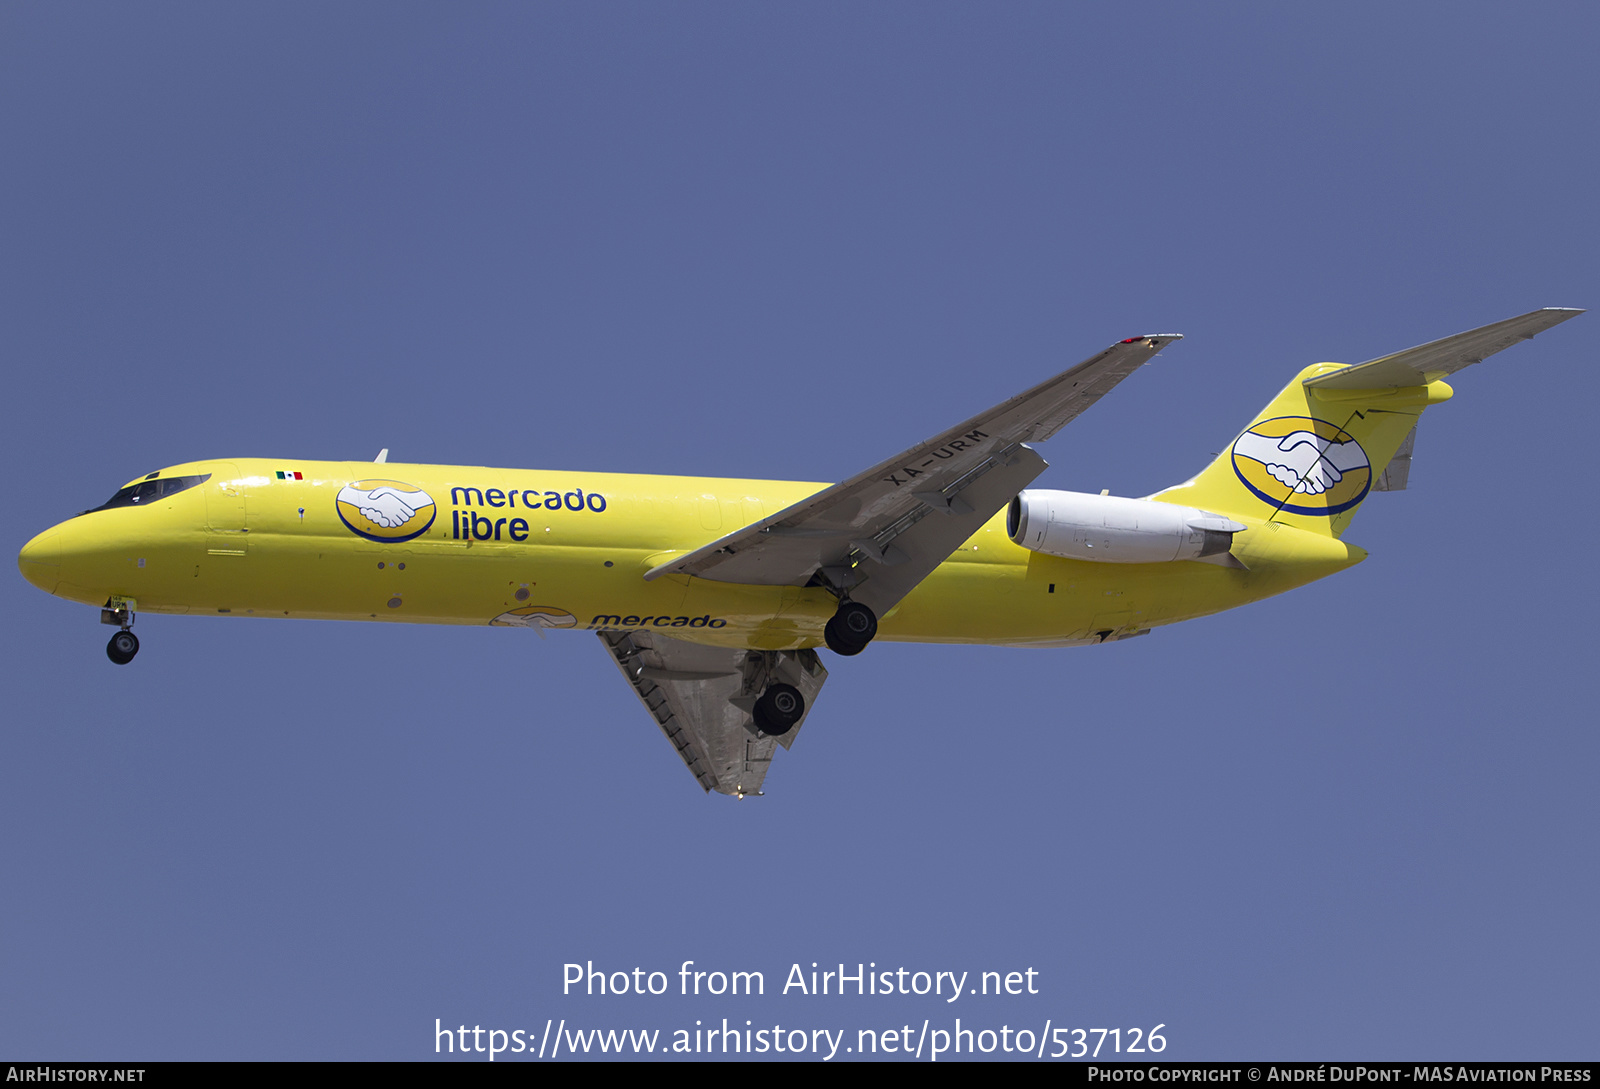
{"x": 123, "y": 646}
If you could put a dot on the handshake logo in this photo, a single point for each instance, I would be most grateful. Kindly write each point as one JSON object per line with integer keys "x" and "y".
{"x": 1302, "y": 465}
{"x": 387, "y": 511}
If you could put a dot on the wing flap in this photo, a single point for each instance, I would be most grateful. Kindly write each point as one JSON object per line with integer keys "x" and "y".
{"x": 910, "y": 555}
{"x": 1441, "y": 358}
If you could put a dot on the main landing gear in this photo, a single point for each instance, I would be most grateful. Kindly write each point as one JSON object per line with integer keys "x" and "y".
{"x": 124, "y": 644}
{"x": 778, "y": 709}
{"x": 851, "y": 628}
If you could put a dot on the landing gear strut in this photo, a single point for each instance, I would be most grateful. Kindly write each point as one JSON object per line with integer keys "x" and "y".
{"x": 778, "y": 709}
{"x": 124, "y": 644}
{"x": 851, "y": 628}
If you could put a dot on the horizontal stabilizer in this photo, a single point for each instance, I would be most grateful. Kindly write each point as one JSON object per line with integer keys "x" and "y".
{"x": 1440, "y": 358}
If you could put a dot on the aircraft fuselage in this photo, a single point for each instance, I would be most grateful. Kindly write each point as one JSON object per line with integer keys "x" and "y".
{"x": 284, "y": 538}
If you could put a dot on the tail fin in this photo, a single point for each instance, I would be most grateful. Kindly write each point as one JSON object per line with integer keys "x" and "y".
{"x": 1314, "y": 453}
{"x": 1308, "y": 460}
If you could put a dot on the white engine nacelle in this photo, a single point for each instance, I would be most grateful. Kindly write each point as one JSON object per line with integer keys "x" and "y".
{"x": 1108, "y": 529}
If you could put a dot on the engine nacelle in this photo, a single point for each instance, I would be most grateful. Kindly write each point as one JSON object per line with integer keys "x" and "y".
{"x": 1108, "y": 529}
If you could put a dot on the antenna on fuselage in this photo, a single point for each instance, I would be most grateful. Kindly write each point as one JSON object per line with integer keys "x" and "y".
{"x": 383, "y": 456}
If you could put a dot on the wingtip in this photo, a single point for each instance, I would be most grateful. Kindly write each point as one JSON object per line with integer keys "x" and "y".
{"x": 1154, "y": 337}
{"x": 1550, "y": 316}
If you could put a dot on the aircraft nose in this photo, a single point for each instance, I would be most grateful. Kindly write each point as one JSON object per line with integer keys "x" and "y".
{"x": 40, "y": 560}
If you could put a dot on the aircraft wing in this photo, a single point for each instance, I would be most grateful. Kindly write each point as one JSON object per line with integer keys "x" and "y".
{"x": 884, "y": 530}
{"x": 1441, "y": 358}
{"x": 701, "y": 698}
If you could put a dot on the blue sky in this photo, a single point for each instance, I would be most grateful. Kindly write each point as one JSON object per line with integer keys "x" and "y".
{"x": 1356, "y": 821}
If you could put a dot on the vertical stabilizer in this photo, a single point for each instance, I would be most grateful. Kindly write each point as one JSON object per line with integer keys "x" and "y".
{"x": 1311, "y": 457}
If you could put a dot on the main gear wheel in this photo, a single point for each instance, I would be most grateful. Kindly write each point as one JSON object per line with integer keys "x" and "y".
{"x": 778, "y": 709}
{"x": 851, "y": 628}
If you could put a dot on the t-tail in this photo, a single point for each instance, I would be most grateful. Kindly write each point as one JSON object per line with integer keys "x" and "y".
{"x": 1337, "y": 433}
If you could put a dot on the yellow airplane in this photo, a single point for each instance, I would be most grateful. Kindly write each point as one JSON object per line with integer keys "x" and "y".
{"x": 712, "y": 594}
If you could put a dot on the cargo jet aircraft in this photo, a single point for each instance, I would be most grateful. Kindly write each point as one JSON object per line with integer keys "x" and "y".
{"x": 712, "y": 595}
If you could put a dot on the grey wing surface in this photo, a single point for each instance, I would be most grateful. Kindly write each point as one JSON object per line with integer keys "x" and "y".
{"x": 701, "y": 697}
{"x": 1441, "y": 358}
{"x": 884, "y": 530}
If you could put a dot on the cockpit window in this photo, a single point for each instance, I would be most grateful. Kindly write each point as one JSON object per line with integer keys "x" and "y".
{"x": 148, "y": 491}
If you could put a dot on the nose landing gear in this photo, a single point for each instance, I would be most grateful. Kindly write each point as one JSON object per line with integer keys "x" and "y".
{"x": 124, "y": 644}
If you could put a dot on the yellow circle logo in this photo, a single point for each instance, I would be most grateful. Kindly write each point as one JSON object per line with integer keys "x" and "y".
{"x": 386, "y": 511}
{"x": 1303, "y": 465}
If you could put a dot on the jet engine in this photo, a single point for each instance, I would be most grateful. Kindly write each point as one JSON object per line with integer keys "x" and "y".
{"x": 1109, "y": 529}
